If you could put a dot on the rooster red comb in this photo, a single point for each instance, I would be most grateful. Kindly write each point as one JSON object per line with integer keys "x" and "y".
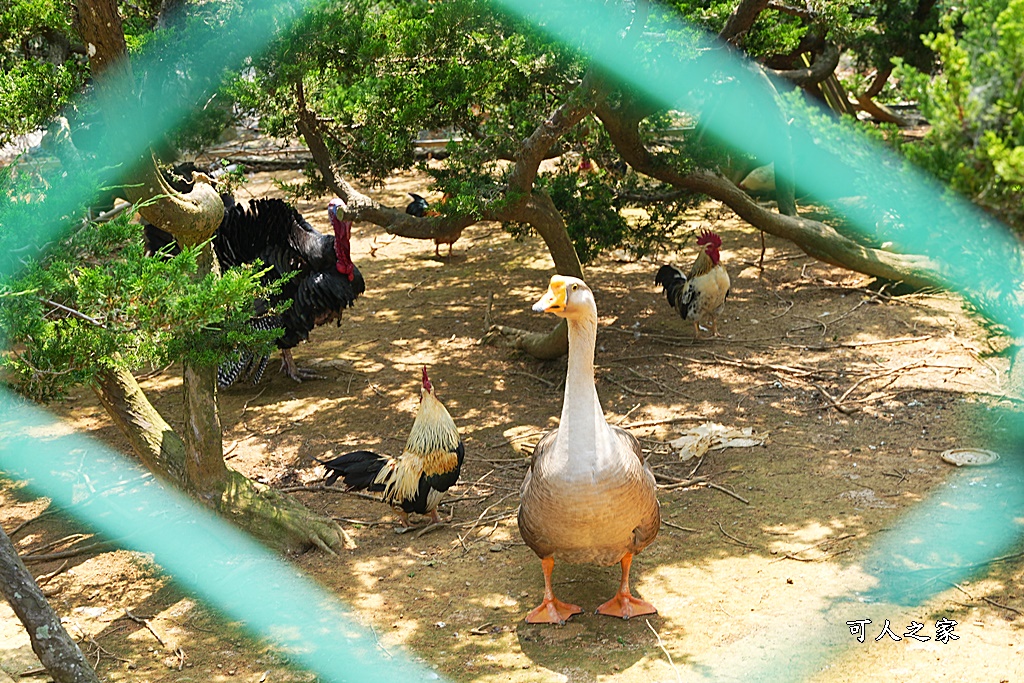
{"x": 426, "y": 380}
{"x": 708, "y": 237}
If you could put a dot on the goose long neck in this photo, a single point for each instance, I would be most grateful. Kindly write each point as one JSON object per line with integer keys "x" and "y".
{"x": 581, "y": 403}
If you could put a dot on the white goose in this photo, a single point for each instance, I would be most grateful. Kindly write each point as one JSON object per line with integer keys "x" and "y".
{"x": 589, "y": 496}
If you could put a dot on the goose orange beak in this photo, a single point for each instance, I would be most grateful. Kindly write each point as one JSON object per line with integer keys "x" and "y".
{"x": 553, "y": 300}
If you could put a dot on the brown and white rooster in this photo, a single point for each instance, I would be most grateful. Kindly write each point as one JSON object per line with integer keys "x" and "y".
{"x": 700, "y": 295}
{"x": 416, "y": 480}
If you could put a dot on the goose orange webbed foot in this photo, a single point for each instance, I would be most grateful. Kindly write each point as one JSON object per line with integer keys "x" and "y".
{"x": 623, "y": 604}
{"x": 552, "y": 611}
{"x": 626, "y": 606}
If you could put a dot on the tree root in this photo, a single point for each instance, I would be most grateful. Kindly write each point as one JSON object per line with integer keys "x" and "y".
{"x": 279, "y": 520}
{"x": 540, "y": 345}
{"x": 270, "y": 516}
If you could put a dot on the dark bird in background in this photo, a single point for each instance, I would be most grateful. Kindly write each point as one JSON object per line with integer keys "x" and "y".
{"x": 417, "y": 207}
{"x": 275, "y": 234}
{"x": 416, "y": 480}
{"x": 701, "y": 294}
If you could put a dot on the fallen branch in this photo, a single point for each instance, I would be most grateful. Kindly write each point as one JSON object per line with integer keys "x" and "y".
{"x": 1000, "y": 606}
{"x": 43, "y": 579}
{"x": 99, "y": 547}
{"x": 28, "y": 521}
{"x": 728, "y": 535}
{"x": 670, "y": 420}
{"x": 831, "y": 399}
{"x": 630, "y": 390}
{"x": 727, "y": 492}
{"x": 70, "y": 538}
{"x": 793, "y": 555}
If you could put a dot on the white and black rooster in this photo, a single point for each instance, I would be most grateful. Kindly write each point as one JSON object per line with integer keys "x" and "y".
{"x": 699, "y": 296}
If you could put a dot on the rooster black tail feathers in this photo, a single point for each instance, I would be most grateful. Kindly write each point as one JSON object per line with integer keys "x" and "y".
{"x": 671, "y": 278}
{"x": 358, "y": 469}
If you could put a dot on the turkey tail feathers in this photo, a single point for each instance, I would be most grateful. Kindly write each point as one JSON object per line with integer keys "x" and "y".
{"x": 247, "y": 364}
{"x": 158, "y": 240}
{"x": 358, "y": 469}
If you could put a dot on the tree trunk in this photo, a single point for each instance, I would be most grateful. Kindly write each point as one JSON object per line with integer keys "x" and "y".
{"x": 272, "y": 517}
{"x": 197, "y": 463}
{"x": 537, "y": 209}
{"x": 541, "y": 213}
{"x": 57, "y": 652}
{"x": 204, "y": 445}
{"x": 877, "y": 111}
{"x": 741, "y": 19}
{"x": 785, "y": 167}
{"x": 151, "y": 438}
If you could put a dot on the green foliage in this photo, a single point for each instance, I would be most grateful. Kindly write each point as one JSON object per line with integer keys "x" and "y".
{"x": 378, "y": 74}
{"x": 95, "y": 300}
{"x": 38, "y": 73}
{"x": 895, "y": 33}
{"x": 588, "y": 207}
{"x": 975, "y": 105}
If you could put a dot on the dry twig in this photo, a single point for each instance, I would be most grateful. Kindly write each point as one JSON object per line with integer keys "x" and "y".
{"x": 28, "y": 521}
{"x": 793, "y": 555}
{"x": 728, "y": 535}
{"x": 1000, "y": 606}
{"x": 727, "y": 492}
{"x": 661, "y": 644}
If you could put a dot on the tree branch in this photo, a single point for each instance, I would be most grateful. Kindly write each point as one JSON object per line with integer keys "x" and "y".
{"x": 823, "y": 66}
{"x": 579, "y": 103}
{"x": 58, "y": 653}
{"x": 741, "y": 19}
{"x": 816, "y": 239}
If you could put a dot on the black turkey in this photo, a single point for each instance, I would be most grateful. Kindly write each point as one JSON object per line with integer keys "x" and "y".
{"x": 275, "y": 234}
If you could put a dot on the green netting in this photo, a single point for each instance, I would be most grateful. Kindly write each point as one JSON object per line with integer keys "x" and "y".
{"x": 969, "y": 521}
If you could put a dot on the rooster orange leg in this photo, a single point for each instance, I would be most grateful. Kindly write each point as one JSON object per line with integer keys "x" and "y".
{"x": 552, "y": 610}
{"x": 624, "y": 604}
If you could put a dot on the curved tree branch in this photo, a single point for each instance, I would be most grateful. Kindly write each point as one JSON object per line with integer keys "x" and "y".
{"x": 877, "y": 111}
{"x": 816, "y": 239}
{"x": 823, "y": 66}
{"x": 819, "y": 240}
{"x": 58, "y": 653}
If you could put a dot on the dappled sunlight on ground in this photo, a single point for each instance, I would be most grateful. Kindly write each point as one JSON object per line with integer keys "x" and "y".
{"x": 760, "y": 561}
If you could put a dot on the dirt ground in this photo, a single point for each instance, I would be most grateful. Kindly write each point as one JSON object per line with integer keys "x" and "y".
{"x": 857, "y": 392}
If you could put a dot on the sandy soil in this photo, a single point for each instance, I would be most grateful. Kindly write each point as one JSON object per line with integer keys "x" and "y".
{"x": 753, "y": 554}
